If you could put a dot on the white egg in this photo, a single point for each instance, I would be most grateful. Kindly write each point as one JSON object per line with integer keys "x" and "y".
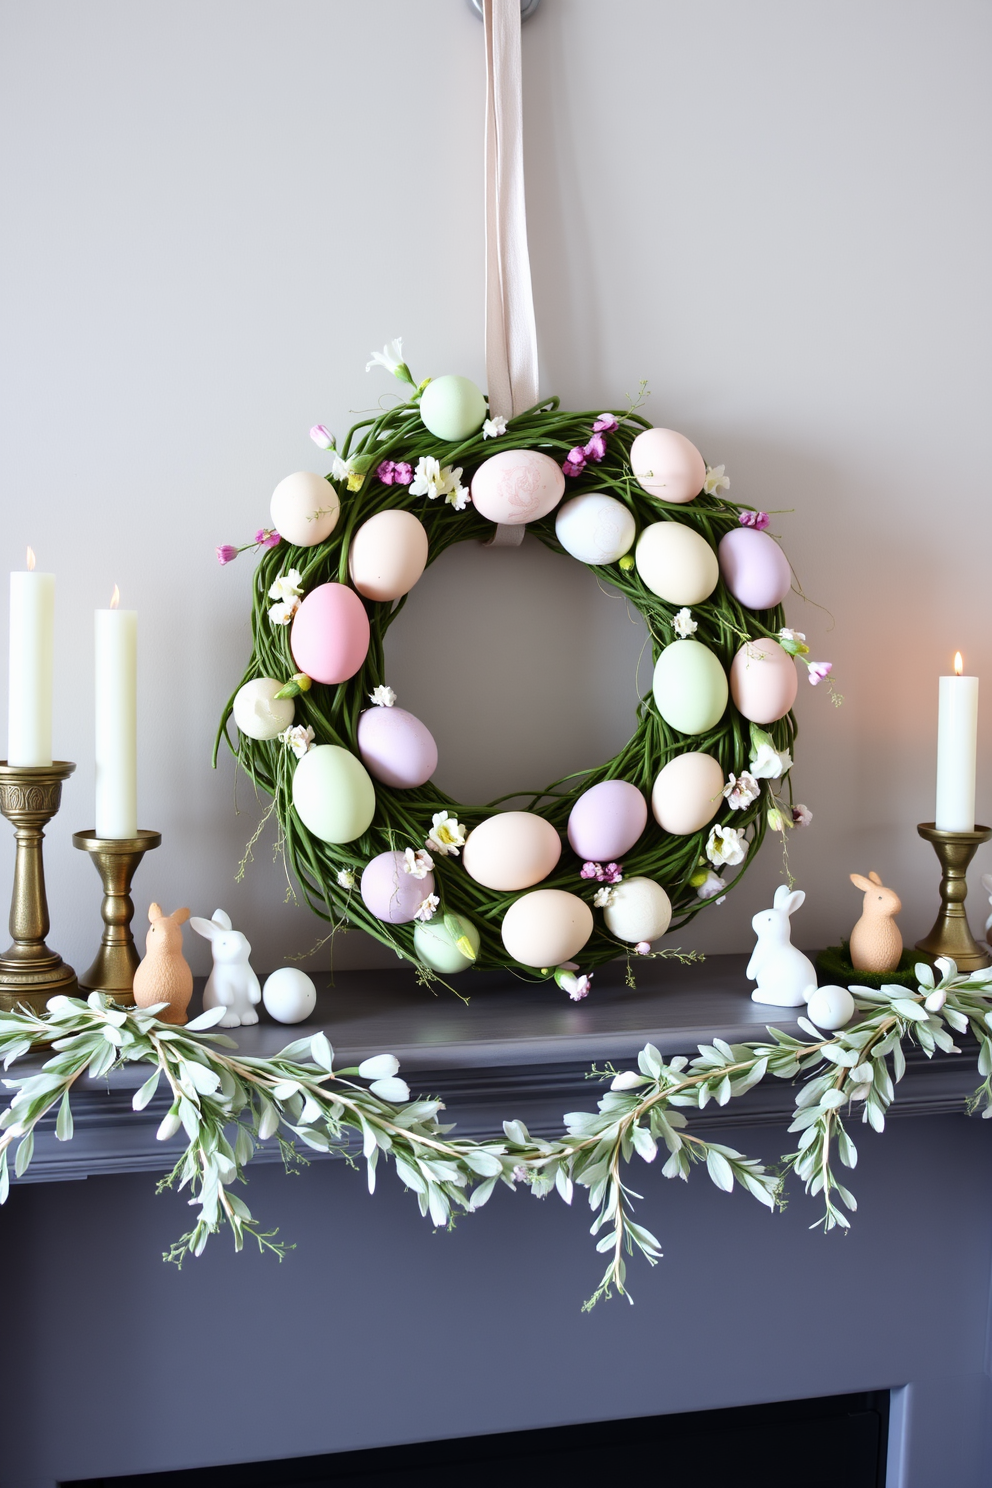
{"x": 595, "y": 528}
{"x": 830, "y": 1007}
{"x": 289, "y": 995}
{"x": 258, "y": 712}
{"x": 305, "y": 509}
{"x": 639, "y": 910}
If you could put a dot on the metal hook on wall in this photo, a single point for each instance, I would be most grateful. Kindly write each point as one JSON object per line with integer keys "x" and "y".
{"x": 527, "y": 8}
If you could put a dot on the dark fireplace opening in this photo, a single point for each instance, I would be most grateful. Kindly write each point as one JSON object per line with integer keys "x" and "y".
{"x": 816, "y": 1443}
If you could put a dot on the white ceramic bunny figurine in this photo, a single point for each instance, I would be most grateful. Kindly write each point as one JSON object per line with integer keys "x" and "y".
{"x": 987, "y": 886}
{"x": 232, "y": 983}
{"x": 784, "y": 975}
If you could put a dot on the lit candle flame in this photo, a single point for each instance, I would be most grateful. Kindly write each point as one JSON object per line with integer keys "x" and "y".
{"x": 31, "y": 560}
{"x": 958, "y": 664}
{"x": 115, "y": 599}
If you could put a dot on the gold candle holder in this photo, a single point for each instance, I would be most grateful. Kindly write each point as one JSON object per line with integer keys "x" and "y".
{"x": 30, "y": 973}
{"x": 115, "y": 859}
{"x": 951, "y": 935}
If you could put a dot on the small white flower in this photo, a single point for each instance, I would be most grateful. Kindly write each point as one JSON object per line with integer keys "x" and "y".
{"x": 577, "y": 987}
{"x": 604, "y": 897}
{"x": 627, "y": 1080}
{"x": 801, "y": 815}
{"x": 726, "y": 845}
{"x": 770, "y": 764}
{"x": 447, "y": 835}
{"x": 298, "y": 739}
{"x": 379, "y": 1067}
{"x": 346, "y": 879}
{"x": 382, "y": 697}
{"x": 787, "y": 634}
{"x": 519, "y": 1174}
{"x": 458, "y": 497}
{"x": 283, "y": 612}
{"x": 428, "y": 908}
{"x": 683, "y": 624}
{"x": 390, "y": 357}
{"x": 417, "y": 864}
{"x": 494, "y": 427}
{"x": 394, "y": 1091}
{"x": 936, "y": 1000}
{"x": 715, "y": 481}
{"x": 741, "y": 790}
{"x": 432, "y": 479}
{"x": 287, "y": 586}
{"x": 712, "y": 885}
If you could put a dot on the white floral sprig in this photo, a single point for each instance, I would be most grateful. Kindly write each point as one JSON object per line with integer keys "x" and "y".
{"x": 391, "y": 358}
{"x": 428, "y": 908}
{"x": 683, "y": 624}
{"x": 767, "y": 762}
{"x": 417, "y": 863}
{"x": 382, "y": 696}
{"x": 432, "y": 479}
{"x": 287, "y": 592}
{"x": 741, "y": 790}
{"x": 726, "y": 845}
{"x": 346, "y": 878}
{"x": 299, "y": 739}
{"x": 447, "y": 836}
{"x": 494, "y": 428}
{"x": 715, "y": 481}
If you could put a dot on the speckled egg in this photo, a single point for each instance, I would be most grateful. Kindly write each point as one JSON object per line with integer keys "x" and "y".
{"x": 763, "y": 681}
{"x": 546, "y": 928}
{"x": 667, "y": 465}
{"x": 440, "y": 943}
{"x": 830, "y": 1007}
{"x": 688, "y": 793}
{"x": 258, "y": 712}
{"x": 595, "y": 528}
{"x": 333, "y": 794}
{"x": 390, "y": 893}
{"x": 754, "y": 568}
{"x": 690, "y": 687}
{"x": 305, "y": 509}
{"x": 396, "y": 747}
{"x": 676, "y": 563}
{"x": 330, "y": 635}
{"x": 388, "y": 555}
{"x": 639, "y": 910}
{"x": 512, "y": 850}
{"x": 607, "y": 820}
{"x": 452, "y": 408}
{"x": 517, "y": 486}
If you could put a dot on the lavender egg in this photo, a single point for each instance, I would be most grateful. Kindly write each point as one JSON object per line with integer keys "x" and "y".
{"x": 392, "y": 894}
{"x": 754, "y": 568}
{"x": 607, "y": 820}
{"x": 396, "y": 748}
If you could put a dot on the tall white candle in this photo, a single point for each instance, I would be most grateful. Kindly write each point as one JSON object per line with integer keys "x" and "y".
{"x": 29, "y": 696}
{"x": 957, "y": 744}
{"x": 116, "y": 721}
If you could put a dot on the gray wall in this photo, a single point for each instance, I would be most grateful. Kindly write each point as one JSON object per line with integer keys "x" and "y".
{"x": 778, "y": 214}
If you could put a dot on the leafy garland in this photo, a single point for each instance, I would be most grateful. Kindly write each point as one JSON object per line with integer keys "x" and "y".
{"x": 228, "y": 1103}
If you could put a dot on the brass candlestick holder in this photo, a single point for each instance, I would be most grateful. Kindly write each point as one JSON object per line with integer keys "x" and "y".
{"x": 951, "y": 935}
{"x": 115, "y": 859}
{"x": 30, "y": 973}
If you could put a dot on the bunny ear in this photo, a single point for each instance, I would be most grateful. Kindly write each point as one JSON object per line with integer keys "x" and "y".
{"x": 860, "y": 882}
{"x": 781, "y": 895}
{"x": 222, "y": 919}
{"x": 795, "y": 901}
{"x": 154, "y": 913}
{"x": 875, "y": 878}
{"x": 203, "y": 927}
{"x": 180, "y": 916}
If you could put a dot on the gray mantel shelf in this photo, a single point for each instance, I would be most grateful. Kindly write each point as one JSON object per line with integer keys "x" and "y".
{"x": 515, "y": 1051}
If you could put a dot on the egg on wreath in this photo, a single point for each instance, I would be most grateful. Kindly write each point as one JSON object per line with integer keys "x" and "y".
{"x": 395, "y": 747}
{"x": 391, "y": 892}
{"x": 333, "y": 795}
{"x": 607, "y": 820}
{"x": 388, "y": 555}
{"x": 688, "y": 793}
{"x": 305, "y": 509}
{"x": 754, "y": 568}
{"x": 690, "y": 687}
{"x": 763, "y": 681}
{"x": 595, "y": 528}
{"x": 546, "y": 927}
{"x": 511, "y": 850}
{"x": 516, "y": 486}
{"x": 330, "y": 635}
{"x": 452, "y": 408}
{"x": 676, "y": 563}
{"x": 667, "y": 465}
{"x": 258, "y": 712}
{"x": 639, "y": 910}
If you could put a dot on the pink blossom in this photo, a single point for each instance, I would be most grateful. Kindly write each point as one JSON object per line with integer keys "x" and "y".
{"x": 818, "y": 670}
{"x": 801, "y": 815}
{"x": 596, "y": 448}
{"x": 225, "y": 553}
{"x": 643, "y": 948}
{"x": 611, "y": 874}
{"x": 590, "y": 870}
{"x": 321, "y": 436}
{"x": 605, "y": 424}
{"x": 387, "y": 472}
{"x": 757, "y": 520}
{"x": 576, "y": 461}
{"x": 402, "y": 473}
{"x": 267, "y": 537}
{"x": 577, "y": 987}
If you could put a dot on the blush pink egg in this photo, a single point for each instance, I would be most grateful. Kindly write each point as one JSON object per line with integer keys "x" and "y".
{"x": 396, "y": 748}
{"x": 667, "y": 465}
{"x": 330, "y": 636}
{"x": 607, "y": 820}
{"x": 392, "y": 894}
{"x": 763, "y": 681}
{"x": 517, "y": 486}
{"x": 754, "y": 568}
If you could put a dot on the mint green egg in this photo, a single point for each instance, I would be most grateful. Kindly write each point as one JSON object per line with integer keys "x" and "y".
{"x": 434, "y": 943}
{"x": 333, "y": 794}
{"x": 452, "y": 408}
{"x": 690, "y": 687}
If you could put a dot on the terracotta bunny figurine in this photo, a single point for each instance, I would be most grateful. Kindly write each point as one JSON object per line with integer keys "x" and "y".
{"x": 784, "y": 975}
{"x": 163, "y": 975}
{"x": 987, "y": 886}
{"x": 876, "y": 942}
{"x": 232, "y": 984}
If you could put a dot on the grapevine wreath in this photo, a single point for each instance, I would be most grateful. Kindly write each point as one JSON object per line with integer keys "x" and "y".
{"x": 597, "y": 864}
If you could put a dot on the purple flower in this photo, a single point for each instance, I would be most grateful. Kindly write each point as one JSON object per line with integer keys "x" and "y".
{"x": 590, "y": 870}
{"x": 596, "y": 448}
{"x": 576, "y": 461}
{"x": 818, "y": 670}
{"x": 387, "y": 472}
{"x": 757, "y": 520}
{"x": 267, "y": 537}
{"x": 605, "y": 424}
{"x": 322, "y": 437}
{"x": 225, "y": 553}
{"x": 801, "y": 815}
{"x": 643, "y": 948}
{"x": 402, "y": 473}
{"x": 611, "y": 874}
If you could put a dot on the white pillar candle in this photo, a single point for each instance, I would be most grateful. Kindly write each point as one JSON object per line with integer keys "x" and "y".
{"x": 116, "y": 721}
{"x": 957, "y": 743}
{"x": 29, "y": 697}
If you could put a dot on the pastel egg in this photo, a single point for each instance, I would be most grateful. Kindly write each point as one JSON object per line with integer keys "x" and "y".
{"x": 667, "y": 465}
{"x": 512, "y": 850}
{"x": 439, "y": 943}
{"x": 330, "y": 635}
{"x": 305, "y": 509}
{"x": 763, "y": 681}
{"x": 754, "y": 568}
{"x": 390, "y": 893}
{"x": 830, "y": 1007}
{"x": 607, "y": 820}
{"x": 595, "y": 528}
{"x": 517, "y": 486}
{"x": 688, "y": 793}
{"x": 639, "y": 910}
{"x": 333, "y": 795}
{"x": 690, "y": 687}
{"x": 676, "y": 563}
{"x": 396, "y": 747}
{"x": 289, "y": 995}
{"x": 258, "y": 712}
{"x": 546, "y": 927}
{"x": 388, "y": 555}
{"x": 452, "y": 408}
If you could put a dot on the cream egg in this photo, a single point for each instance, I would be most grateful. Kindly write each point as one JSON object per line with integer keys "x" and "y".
{"x": 258, "y": 712}
{"x": 517, "y": 486}
{"x": 512, "y": 850}
{"x": 830, "y": 1007}
{"x": 304, "y": 509}
{"x": 690, "y": 687}
{"x": 331, "y": 634}
{"x": 607, "y": 820}
{"x": 639, "y": 910}
{"x": 754, "y": 568}
{"x": 443, "y": 944}
{"x": 388, "y": 555}
{"x": 452, "y": 408}
{"x": 333, "y": 794}
{"x": 595, "y": 528}
{"x": 667, "y": 465}
{"x": 763, "y": 681}
{"x": 688, "y": 793}
{"x": 676, "y": 563}
{"x": 546, "y": 927}
{"x": 396, "y": 747}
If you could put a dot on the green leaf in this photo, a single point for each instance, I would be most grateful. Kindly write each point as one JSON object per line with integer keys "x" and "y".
{"x": 322, "y": 1052}
{"x": 911, "y": 1010}
{"x": 516, "y": 1131}
{"x": 4, "y": 1177}
{"x": 141, "y": 1097}
{"x": 63, "y": 1125}
{"x": 644, "y": 1143}
{"x": 25, "y": 1151}
{"x": 720, "y": 1170}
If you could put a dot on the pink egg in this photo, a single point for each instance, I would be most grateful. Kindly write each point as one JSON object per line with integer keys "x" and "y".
{"x": 330, "y": 636}
{"x": 517, "y": 486}
{"x": 667, "y": 465}
{"x": 763, "y": 681}
{"x": 754, "y": 568}
{"x": 396, "y": 747}
{"x": 607, "y": 820}
{"x": 392, "y": 894}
